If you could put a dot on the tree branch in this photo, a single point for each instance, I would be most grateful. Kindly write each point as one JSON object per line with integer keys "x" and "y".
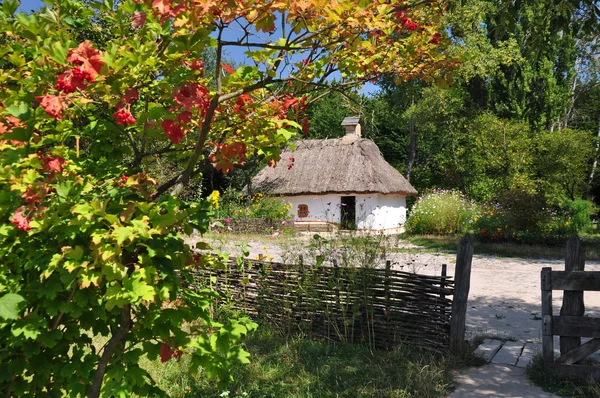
{"x": 109, "y": 351}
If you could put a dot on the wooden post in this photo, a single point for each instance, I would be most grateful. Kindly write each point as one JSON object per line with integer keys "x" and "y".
{"x": 572, "y": 300}
{"x": 442, "y": 286}
{"x": 388, "y": 272}
{"x": 462, "y": 284}
{"x": 547, "y": 336}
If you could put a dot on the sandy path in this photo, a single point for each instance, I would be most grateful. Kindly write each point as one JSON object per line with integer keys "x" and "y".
{"x": 504, "y": 299}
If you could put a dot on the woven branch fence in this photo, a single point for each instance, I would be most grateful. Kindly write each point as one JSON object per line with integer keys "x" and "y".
{"x": 381, "y": 307}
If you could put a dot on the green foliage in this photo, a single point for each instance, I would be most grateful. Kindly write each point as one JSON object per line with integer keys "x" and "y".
{"x": 106, "y": 261}
{"x": 522, "y": 216}
{"x": 233, "y": 204}
{"x": 442, "y": 212}
{"x": 562, "y": 164}
{"x": 580, "y": 214}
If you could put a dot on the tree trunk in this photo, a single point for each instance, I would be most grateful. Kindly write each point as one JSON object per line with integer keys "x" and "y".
{"x": 412, "y": 148}
{"x": 249, "y": 188}
{"x": 595, "y": 155}
{"x": 569, "y": 113}
{"x": 110, "y": 349}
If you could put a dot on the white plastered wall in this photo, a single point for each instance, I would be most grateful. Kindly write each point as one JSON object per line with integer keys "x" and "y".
{"x": 379, "y": 211}
{"x": 373, "y": 211}
{"x": 320, "y": 207}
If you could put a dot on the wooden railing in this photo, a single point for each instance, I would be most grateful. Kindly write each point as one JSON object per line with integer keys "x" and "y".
{"x": 571, "y": 325}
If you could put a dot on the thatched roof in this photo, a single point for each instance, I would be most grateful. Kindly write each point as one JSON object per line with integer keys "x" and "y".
{"x": 341, "y": 165}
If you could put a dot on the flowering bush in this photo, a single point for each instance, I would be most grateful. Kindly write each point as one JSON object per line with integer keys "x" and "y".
{"x": 442, "y": 212}
{"x": 93, "y": 95}
{"x": 530, "y": 220}
{"x": 498, "y": 224}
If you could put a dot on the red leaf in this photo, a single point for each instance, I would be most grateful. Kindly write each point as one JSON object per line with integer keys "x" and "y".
{"x": 138, "y": 19}
{"x": 192, "y": 94}
{"x": 165, "y": 353}
{"x": 198, "y": 65}
{"x": 88, "y": 58}
{"x": 172, "y": 130}
{"x": 54, "y": 164}
{"x": 130, "y": 95}
{"x": 240, "y": 105}
{"x": 184, "y": 117}
{"x": 435, "y": 39}
{"x": 228, "y": 68}
{"x": 52, "y": 104}
{"x": 162, "y": 7}
{"x": 20, "y": 220}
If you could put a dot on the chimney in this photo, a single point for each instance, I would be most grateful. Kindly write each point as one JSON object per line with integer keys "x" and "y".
{"x": 352, "y": 126}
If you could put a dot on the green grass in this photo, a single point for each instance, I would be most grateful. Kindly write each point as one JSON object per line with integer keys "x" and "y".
{"x": 561, "y": 386}
{"x": 302, "y": 367}
{"x": 447, "y": 243}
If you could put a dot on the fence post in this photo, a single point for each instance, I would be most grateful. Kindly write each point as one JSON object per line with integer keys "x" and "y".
{"x": 572, "y": 300}
{"x": 442, "y": 287}
{"x": 547, "y": 336}
{"x": 388, "y": 273}
{"x": 462, "y": 283}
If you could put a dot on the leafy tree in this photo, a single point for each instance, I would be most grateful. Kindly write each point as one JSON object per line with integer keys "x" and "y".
{"x": 91, "y": 244}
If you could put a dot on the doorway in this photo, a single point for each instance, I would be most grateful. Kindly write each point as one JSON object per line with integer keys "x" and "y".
{"x": 348, "y": 212}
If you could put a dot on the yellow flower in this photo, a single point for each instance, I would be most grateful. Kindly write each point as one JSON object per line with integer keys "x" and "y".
{"x": 214, "y": 198}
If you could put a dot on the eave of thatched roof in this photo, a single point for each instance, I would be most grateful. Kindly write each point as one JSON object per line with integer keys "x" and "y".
{"x": 342, "y": 165}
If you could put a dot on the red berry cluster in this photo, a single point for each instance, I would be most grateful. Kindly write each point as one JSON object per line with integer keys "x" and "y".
{"x": 87, "y": 64}
{"x": 405, "y": 21}
{"x": 124, "y": 117}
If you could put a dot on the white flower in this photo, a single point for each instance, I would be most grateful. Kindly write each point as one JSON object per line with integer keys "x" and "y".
{"x": 224, "y": 394}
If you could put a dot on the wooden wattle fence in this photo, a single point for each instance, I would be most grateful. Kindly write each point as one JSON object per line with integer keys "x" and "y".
{"x": 381, "y": 307}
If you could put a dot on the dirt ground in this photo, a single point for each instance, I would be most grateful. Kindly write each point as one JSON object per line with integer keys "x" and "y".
{"x": 504, "y": 298}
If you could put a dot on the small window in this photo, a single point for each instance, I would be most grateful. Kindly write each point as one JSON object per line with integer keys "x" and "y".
{"x": 302, "y": 211}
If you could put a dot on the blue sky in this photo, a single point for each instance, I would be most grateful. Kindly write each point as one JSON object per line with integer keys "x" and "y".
{"x": 28, "y": 5}
{"x": 236, "y": 53}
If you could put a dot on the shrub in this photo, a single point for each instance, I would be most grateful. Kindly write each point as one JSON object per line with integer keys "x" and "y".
{"x": 519, "y": 216}
{"x": 232, "y": 204}
{"x": 442, "y": 212}
{"x": 524, "y": 217}
{"x": 580, "y": 215}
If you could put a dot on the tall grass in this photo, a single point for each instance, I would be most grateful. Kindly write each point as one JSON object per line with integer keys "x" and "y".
{"x": 559, "y": 385}
{"x": 442, "y": 212}
{"x": 301, "y": 367}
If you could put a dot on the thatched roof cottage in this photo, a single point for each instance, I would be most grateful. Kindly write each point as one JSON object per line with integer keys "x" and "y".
{"x": 342, "y": 182}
